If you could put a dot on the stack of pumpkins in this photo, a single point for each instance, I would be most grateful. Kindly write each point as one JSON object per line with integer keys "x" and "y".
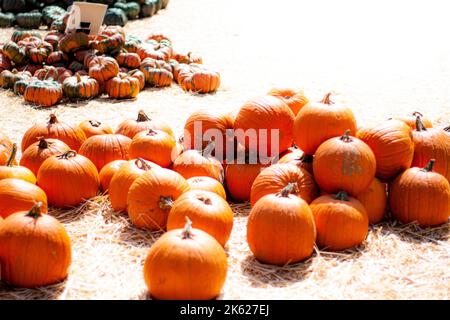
{"x": 326, "y": 190}
{"x": 32, "y": 14}
{"x": 77, "y": 66}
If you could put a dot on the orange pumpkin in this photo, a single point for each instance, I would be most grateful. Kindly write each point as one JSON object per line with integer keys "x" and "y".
{"x": 68, "y": 179}
{"x": 239, "y": 179}
{"x": 272, "y": 119}
{"x": 319, "y": 121}
{"x": 123, "y": 179}
{"x": 207, "y": 184}
{"x": 299, "y": 158}
{"x": 420, "y": 195}
{"x": 108, "y": 171}
{"x": 103, "y": 68}
{"x": 72, "y": 135}
{"x": 276, "y": 177}
{"x": 94, "y": 128}
{"x": 139, "y": 75}
{"x": 80, "y": 87}
{"x": 157, "y": 73}
{"x": 207, "y": 210}
{"x": 6, "y": 146}
{"x": 152, "y": 195}
{"x": 295, "y": 99}
{"x": 19, "y": 195}
{"x": 344, "y": 163}
{"x": 143, "y": 122}
{"x": 198, "y": 79}
{"x": 19, "y": 172}
{"x": 170, "y": 272}
{"x": 104, "y": 148}
{"x": 280, "y": 228}
{"x": 154, "y": 145}
{"x": 391, "y": 142}
{"x": 45, "y": 93}
{"x": 33, "y": 157}
{"x": 128, "y": 60}
{"x": 410, "y": 120}
{"x": 374, "y": 200}
{"x": 191, "y": 163}
{"x": 432, "y": 143}
{"x": 122, "y": 86}
{"x": 35, "y": 249}
{"x": 341, "y": 221}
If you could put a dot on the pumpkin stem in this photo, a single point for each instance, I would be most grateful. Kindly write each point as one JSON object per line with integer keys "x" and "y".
{"x": 12, "y": 157}
{"x": 165, "y": 203}
{"x": 52, "y": 119}
{"x": 78, "y": 77}
{"x": 342, "y": 195}
{"x": 142, "y": 164}
{"x": 43, "y": 144}
{"x": 447, "y": 129}
{"x": 429, "y": 166}
{"x": 326, "y": 99}
{"x": 419, "y": 124}
{"x": 291, "y": 187}
{"x": 95, "y": 123}
{"x": 68, "y": 154}
{"x": 187, "y": 231}
{"x": 152, "y": 132}
{"x": 416, "y": 113}
{"x": 346, "y": 136}
{"x": 205, "y": 200}
{"x": 35, "y": 212}
{"x": 142, "y": 117}
{"x": 14, "y": 70}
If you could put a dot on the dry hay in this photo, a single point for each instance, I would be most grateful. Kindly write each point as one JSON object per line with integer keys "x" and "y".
{"x": 395, "y": 262}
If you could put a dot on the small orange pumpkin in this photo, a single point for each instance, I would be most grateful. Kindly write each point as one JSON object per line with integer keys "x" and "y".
{"x": 299, "y": 158}
{"x": 207, "y": 210}
{"x": 319, "y": 121}
{"x": 31, "y": 242}
{"x": 131, "y": 127}
{"x": 174, "y": 274}
{"x": 420, "y": 195}
{"x": 374, "y": 200}
{"x": 103, "y": 68}
{"x": 295, "y": 99}
{"x": 198, "y": 79}
{"x": 207, "y": 184}
{"x": 341, "y": 221}
{"x": 410, "y": 120}
{"x": 239, "y": 179}
{"x": 152, "y": 195}
{"x": 108, "y": 171}
{"x": 191, "y": 163}
{"x": 122, "y": 86}
{"x": 19, "y": 172}
{"x": 68, "y": 179}
{"x": 280, "y": 228}
{"x": 94, "y": 128}
{"x": 104, "y": 148}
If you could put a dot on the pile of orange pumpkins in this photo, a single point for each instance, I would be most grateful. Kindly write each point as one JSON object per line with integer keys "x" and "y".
{"x": 75, "y": 66}
{"x": 330, "y": 181}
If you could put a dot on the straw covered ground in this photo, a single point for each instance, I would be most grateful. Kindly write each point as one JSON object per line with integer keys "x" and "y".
{"x": 375, "y": 57}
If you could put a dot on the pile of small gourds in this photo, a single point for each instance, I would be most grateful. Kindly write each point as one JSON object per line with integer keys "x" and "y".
{"x": 76, "y": 66}
{"x": 330, "y": 179}
{"x": 32, "y": 14}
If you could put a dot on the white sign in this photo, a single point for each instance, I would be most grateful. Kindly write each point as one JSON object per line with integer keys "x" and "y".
{"x": 86, "y": 17}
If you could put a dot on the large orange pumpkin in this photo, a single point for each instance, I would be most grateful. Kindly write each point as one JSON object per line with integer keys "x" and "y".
{"x": 19, "y": 195}
{"x": 391, "y": 142}
{"x": 207, "y": 210}
{"x": 19, "y": 172}
{"x": 38, "y": 152}
{"x": 72, "y": 135}
{"x": 68, "y": 179}
{"x": 344, "y": 163}
{"x": 108, "y": 171}
{"x": 171, "y": 272}
{"x": 319, "y": 121}
{"x": 35, "y": 249}
{"x": 295, "y": 99}
{"x": 154, "y": 145}
{"x": 374, "y": 200}
{"x": 432, "y": 143}
{"x": 94, "y": 128}
{"x": 280, "y": 228}
{"x": 104, "y": 148}
{"x": 207, "y": 184}
{"x": 152, "y": 195}
{"x": 341, "y": 221}
{"x": 262, "y": 120}
{"x": 276, "y": 177}
{"x": 191, "y": 163}
{"x": 123, "y": 179}
{"x": 420, "y": 195}
{"x": 239, "y": 179}
{"x": 131, "y": 127}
